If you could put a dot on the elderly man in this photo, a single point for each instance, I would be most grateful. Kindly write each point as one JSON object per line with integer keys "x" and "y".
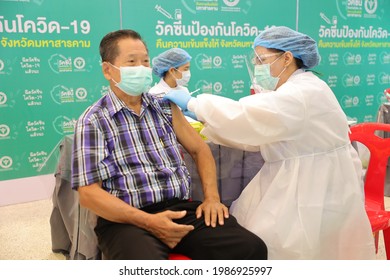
{"x": 128, "y": 169}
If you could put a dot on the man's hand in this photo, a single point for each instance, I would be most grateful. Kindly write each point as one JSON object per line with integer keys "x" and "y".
{"x": 213, "y": 211}
{"x": 162, "y": 226}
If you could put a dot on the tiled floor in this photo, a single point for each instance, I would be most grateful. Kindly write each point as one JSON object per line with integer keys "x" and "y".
{"x": 25, "y": 232}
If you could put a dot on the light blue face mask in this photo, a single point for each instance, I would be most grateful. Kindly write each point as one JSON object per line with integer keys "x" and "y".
{"x": 134, "y": 79}
{"x": 263, "y": 77}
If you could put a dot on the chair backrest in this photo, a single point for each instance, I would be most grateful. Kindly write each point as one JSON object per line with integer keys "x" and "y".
{"x": 366, "y": 133}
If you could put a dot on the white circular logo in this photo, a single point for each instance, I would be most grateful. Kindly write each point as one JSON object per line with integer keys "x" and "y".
{"x": 5, "y": 162}
{"x": 231, "y": 3}
{"x": 217, "y": 87}
{"x": 371, "y": 6}
{"x": 1, "y": 65}
{"x": 356, "y": 80}
{"x": 81, "y": 93}
{"x": 4, "y": 130}
{"x": 355, "y": 101}
{"x": 79, "y": 62}
{"x": 358, "y": 58}
{"x": 217, "y": 61}
{"x": 3, "y": 98}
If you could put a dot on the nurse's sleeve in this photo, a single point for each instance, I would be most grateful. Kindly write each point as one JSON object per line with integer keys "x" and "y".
{"x": 252, "y": 121}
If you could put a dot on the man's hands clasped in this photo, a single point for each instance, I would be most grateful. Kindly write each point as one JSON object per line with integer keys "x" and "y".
{"x": 162, "y": 224}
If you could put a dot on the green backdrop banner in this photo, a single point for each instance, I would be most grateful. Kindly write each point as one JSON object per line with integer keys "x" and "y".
{"x": 354, "y": 42}
{"x": 50, "y": 66}
{"x": 49, "y": 73}
{"x": 217, "y": 34}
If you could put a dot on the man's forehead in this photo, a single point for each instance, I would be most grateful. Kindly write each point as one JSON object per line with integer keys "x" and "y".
{"x": 132, "y": 47}
{"x": 131, "y": 44}
{"x": 134, "y": 53}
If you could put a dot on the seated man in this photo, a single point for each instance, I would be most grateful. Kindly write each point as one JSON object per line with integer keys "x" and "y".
{"x": 128, "y": 170}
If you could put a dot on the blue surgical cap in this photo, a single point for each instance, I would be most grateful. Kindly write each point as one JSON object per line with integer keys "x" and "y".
{"x": 286, "y": 39}
{"x": 171, "y": 58}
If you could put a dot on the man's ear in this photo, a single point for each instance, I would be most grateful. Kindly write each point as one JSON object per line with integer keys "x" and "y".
{"x": 106, "y": 69}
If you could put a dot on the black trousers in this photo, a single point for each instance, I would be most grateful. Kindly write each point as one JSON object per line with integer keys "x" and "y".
{"x": 228, "y": 242}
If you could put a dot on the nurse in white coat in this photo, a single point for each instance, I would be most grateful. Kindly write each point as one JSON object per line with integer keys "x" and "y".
{"x": 307, "y": 201}
{"x": 173, "y": 68}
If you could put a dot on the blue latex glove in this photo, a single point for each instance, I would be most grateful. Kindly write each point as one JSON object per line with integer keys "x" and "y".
{"x": 179, "y": 97}
{"x": 190, "y": 114}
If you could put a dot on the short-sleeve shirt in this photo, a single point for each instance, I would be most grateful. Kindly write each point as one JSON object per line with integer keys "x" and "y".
{"x": 136, "y": 157}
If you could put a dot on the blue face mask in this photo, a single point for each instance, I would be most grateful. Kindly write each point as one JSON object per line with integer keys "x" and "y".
{"x": 134, "y": 79}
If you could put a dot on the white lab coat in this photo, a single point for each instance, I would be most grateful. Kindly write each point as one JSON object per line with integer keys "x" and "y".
{"x": 162, "y": 88}
{"x": 307, "y": 201}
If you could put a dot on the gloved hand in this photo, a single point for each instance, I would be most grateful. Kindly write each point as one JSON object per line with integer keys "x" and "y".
{"x": 179, "y": 97}
{"x": 190, "y": 114}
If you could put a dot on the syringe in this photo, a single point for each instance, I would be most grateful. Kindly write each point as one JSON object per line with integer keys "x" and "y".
{"x": 164, "y": 12}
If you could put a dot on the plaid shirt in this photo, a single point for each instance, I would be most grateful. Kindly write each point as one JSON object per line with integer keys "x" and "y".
{"x": 136, "y": 157}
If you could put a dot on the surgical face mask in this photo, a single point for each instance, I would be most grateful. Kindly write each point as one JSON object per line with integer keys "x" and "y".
{"x": 263, "y": 77}
{"x": 134, "y": 79}
{"x": 185, "y": 78}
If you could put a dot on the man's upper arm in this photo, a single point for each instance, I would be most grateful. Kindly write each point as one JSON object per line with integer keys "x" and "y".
{"x": 88, "y": 153}
{"x": 185, "y": 133}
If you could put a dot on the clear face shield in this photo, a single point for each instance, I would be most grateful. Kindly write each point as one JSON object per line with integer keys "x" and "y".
{"x": 258, "y": 66}
{"x": 249, "y": 66}
{"x": 259, "y": 59}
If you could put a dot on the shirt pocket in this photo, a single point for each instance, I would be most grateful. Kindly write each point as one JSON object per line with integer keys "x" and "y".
{"x": 170, "y": 148}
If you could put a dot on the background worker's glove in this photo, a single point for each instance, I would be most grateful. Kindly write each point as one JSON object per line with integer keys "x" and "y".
{"x": 179, "y": 97}
{"x": 190, "y": 114}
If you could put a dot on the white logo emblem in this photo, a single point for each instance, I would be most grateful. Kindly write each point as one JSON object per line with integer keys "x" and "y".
{"x": 217, "y": 61}
{"x": 4, "y": 130}
{"x": 5, "y": 162}
{"x": 217, "y": 87}
{"x": 81, "y": 93}
{"x": 3, "y": 98}
{"x": 371, "y": 6}
{"x": 231, "y": 3}
{"x": 79, "y": 62}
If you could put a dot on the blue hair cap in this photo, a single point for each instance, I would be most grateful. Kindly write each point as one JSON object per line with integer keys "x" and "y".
{"x": 174, "y": 57}
{"x": 285, "y": 39}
